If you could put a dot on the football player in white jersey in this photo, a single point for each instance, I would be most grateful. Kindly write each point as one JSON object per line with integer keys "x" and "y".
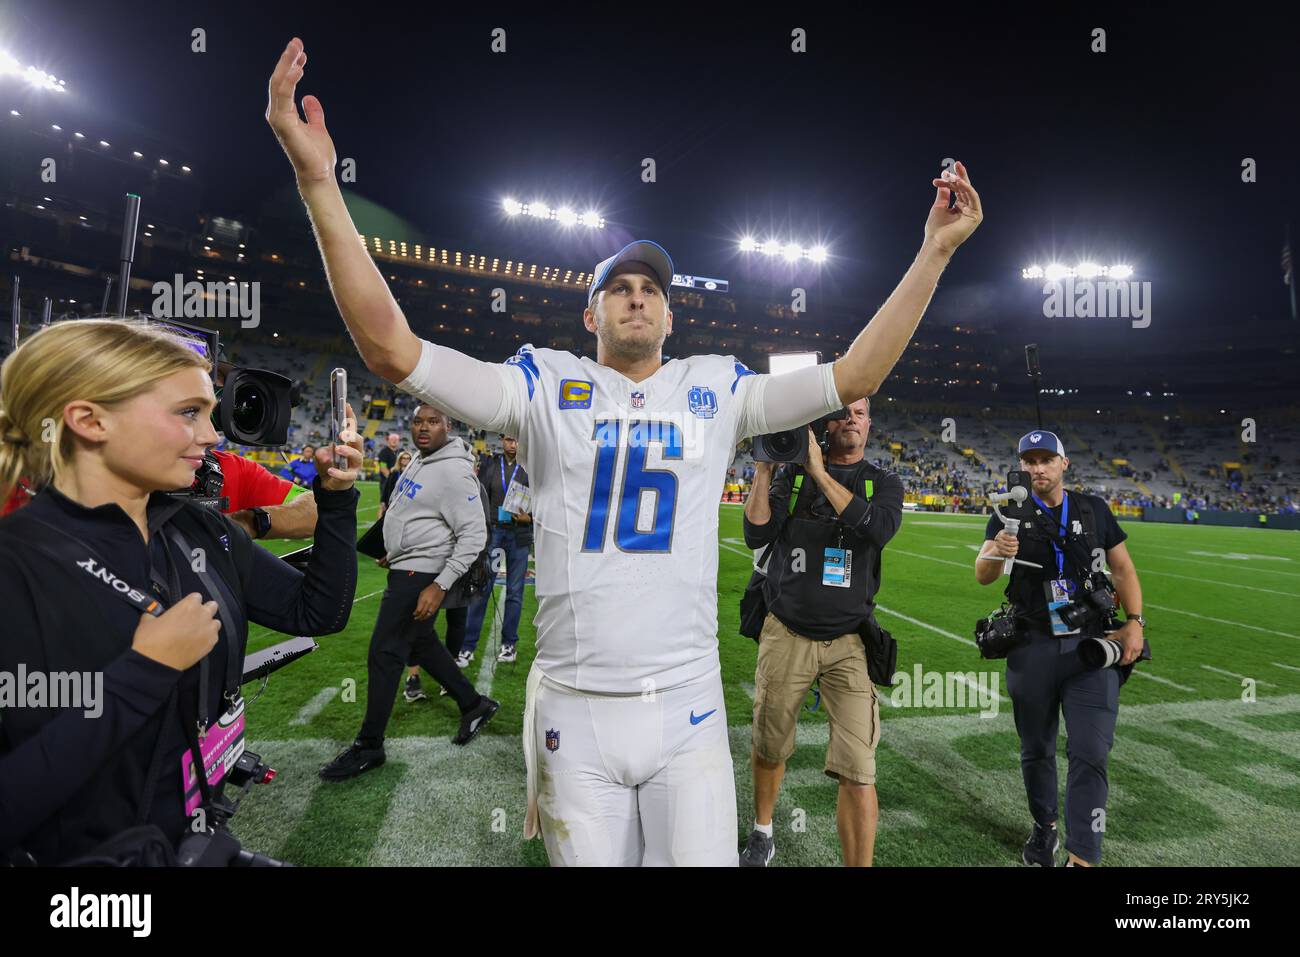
{"x": 625, "y": 730}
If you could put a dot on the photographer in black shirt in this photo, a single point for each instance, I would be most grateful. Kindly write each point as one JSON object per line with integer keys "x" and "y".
{"x": 106, "y": 575}
{"x": 824, "y": 526}
{"x": 1068, "y": 536}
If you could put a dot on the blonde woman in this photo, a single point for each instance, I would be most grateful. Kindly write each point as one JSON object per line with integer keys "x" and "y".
{"x": 143, "y": 596}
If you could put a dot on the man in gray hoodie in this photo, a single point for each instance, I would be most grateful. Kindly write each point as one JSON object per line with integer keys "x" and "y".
{"x": 434, "y": 529}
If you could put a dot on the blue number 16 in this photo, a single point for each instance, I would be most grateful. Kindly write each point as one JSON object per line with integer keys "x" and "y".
{"x": 636, "y": 479}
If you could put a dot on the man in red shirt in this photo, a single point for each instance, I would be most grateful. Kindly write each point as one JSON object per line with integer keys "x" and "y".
{"x": 266, "y": 505}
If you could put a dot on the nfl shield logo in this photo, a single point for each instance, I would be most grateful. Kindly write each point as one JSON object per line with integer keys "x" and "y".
{"x": 552, "y": 740}
{"x": 638, "y": 400}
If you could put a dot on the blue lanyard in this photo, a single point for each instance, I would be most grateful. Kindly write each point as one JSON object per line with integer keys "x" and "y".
{"x": 1065, "y": 514}
{"x": 505, "y": 485}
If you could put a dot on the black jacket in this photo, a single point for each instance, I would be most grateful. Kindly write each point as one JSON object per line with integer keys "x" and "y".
{"x": 797, "y": 597}
{"x": 67, "y": 781}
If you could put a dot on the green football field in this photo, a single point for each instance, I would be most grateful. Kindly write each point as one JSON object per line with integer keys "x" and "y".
{"x": 1205, "y": 768}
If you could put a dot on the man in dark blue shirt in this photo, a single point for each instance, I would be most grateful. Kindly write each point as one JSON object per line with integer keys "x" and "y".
{"x": 510, "y": 541}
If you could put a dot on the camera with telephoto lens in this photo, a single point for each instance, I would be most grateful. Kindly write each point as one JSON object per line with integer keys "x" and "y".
{"x": 1106, "y": 652}
{"x": 791, "y": 446}
{"x": 997, "y": 635}
{"x": 1097, "y": 604}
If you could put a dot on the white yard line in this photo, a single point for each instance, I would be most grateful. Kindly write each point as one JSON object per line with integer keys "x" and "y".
{"x": 1227, "y": 563}
{"x": 931, "y": 558}
{"x": 923, "y": 624}
{"x": 314, "y": 707}
{"x": 1214, "y": 581}
{"x": 1222, "y": 621}
{"x": 1164, "y": 681}
{"x": 487, "y": 667}
{"x": 1233, "y": 674}
{"x": 1287, "y": 667}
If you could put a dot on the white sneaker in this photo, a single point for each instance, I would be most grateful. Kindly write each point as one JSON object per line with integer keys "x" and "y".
{"x": 507, "y": 653}
{"x": 464, "y": 658}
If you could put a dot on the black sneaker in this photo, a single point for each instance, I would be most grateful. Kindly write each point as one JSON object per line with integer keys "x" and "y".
{"x": 1041, "y": 847}
{"x": 413, "y": 690}
{"x": 759, "y": 850}
{"x": 356, "y": 759}
{"x": 472, "y": 721}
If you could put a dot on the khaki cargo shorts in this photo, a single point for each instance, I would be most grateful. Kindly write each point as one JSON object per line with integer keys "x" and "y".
{"x": 788, "y": 664}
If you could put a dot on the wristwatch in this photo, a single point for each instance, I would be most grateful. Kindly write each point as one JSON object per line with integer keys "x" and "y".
{"x": 1139, "y": 619}
{"x": 261, "y": 522}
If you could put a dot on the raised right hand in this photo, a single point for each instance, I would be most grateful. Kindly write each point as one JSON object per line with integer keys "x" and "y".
{"x": 308, "y": 145}
{"x": 1005, "y": 546}
{"x": 180, "y": 636}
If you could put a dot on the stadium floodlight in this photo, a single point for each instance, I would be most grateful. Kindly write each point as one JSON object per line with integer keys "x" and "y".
{"x": 538, "y": 210}
{"x": 10, "y": 66}
{"x": 771, "y": 247}
{"x": 56, "y": 126}
{"x": 566, "y": 216}
{"x": 818, "y": 254}
{"x": 512, "y": 207}
{"x": 1085, "y": 270}
{"x": 137, "y": 154}
{"x": 162, "y": 162}
{"x": 185, "y": 169}
{"x": 748, "y": 244}
{"x": 791, "y": 252}
{"x": 14, "y": 113}
{"x": 80, "y": 136}
{"x": 104, "y": 143}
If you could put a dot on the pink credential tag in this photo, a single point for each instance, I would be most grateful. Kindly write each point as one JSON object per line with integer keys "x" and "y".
{"x": 220, "y": 748}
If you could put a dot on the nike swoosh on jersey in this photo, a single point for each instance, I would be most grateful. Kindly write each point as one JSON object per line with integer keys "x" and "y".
{"x": 472, "y": 497}
{"x": 697, "y": 720}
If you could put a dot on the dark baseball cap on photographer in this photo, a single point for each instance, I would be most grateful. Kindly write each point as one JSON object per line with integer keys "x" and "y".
{"x": 1040, "y": 439}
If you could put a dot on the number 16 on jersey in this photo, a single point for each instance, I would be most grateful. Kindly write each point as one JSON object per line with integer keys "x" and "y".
{"x": 637, "y": 479}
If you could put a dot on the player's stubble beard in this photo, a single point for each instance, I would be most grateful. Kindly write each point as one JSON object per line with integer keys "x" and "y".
{"x": 630, "y": 348}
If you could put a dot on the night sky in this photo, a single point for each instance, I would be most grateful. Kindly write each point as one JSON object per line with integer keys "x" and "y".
{"x": 1130, "y": 155}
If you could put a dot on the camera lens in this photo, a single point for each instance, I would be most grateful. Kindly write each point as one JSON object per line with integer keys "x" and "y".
{"x": 1100, "y": 652}
{"x": 784, "y": 445}
{"x": 250, "y": 407}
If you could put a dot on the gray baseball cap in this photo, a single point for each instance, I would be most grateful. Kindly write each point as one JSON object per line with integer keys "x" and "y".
{"x": 642, "y": 251}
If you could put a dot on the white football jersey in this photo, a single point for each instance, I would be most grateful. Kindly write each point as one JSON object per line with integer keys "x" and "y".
{"x": 626, "y": 479}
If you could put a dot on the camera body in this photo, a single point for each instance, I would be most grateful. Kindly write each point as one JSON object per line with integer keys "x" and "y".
{"x": 1097, "y": 604}
{"x": 791, "y": 446}
{"x": 996, "y": 635}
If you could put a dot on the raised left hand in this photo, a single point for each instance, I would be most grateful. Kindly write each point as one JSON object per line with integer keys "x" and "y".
{"x": 949, "y": 228}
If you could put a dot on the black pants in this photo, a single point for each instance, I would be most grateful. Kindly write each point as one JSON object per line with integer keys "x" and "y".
{"x": 1045, "y": 676}
{"x": 397, "y": 638}
{"x": 456, "y": 619}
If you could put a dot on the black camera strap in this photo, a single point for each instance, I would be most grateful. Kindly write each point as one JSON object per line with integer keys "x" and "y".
{"x": 69, "y": 547}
